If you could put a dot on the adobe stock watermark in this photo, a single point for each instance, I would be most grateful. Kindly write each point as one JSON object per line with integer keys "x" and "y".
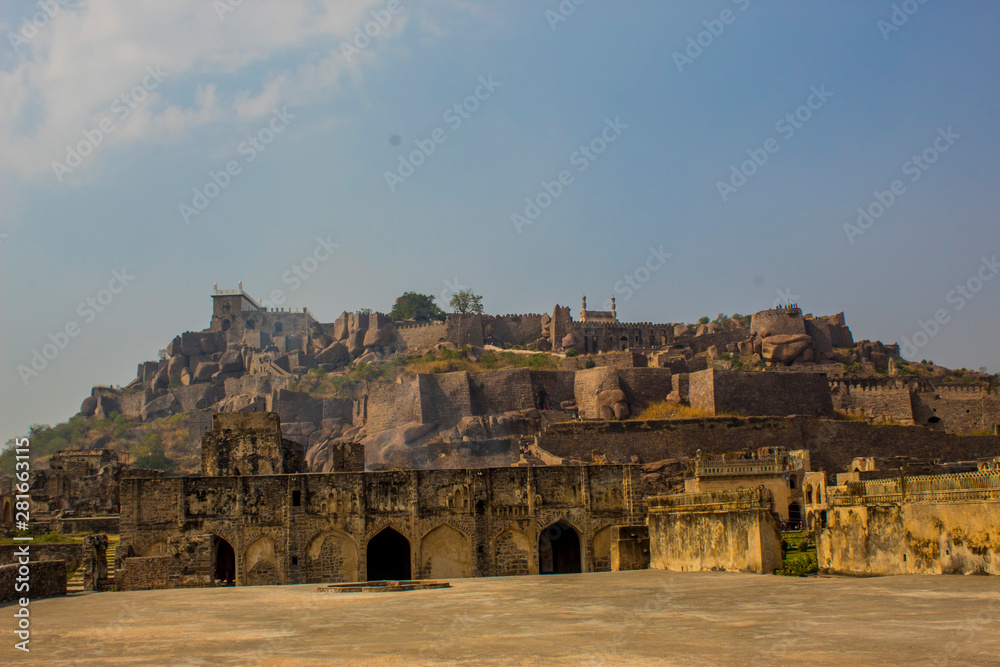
{"x": 87, "y": 310}
{"x": 223, "y": 7}
{"x": 562, "y": 12}
{"x": 784, "y": 297}
{"x": 121, "y": 108}
{"x": 634, "y": 281}
{"x": 32, "y": 25}
{"x": 957, "y": 297}
{"x": 915, "y": 167}
{"x": 454, "y": 116}
{"x": 253, "y": 145}
{"x": 363, "y": 35}
{"x": 899, "y": 17}
{"x": 714, "y": 28}
{"x": 301, "y": 271}
{"x": 581, "y": 158}
{"x": 451, "y": 288}
{"x": 786, "y": 126}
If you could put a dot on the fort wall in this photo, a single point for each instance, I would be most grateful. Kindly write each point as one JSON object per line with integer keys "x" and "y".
{"x": 734, "y": 531}
{"x": 765, "y": 394}
{"x": 941, "y": 524}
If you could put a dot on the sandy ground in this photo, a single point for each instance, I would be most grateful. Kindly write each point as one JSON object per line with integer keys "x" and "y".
{"x": 647, "y": 617}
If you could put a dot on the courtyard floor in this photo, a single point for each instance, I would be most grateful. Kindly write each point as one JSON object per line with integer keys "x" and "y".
{"x": 646, "y": 617}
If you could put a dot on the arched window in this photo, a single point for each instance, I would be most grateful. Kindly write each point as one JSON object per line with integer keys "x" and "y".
{"x": 276, "y": 328}
{"x": 226, "y": 324}
{"x": 251, "y": 324}
{"x": 296, "y": 498}
{"x": 791, "y": 482}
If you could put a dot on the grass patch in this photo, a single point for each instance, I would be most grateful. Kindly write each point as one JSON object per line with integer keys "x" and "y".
{"x": 668, "y": 410}
{"x": 798, "y": 555}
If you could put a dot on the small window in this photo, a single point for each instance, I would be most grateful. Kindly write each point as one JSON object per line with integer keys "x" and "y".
{"x": 251, "y": 324}
{"x": 791, "y": 482}
{"x": 277, "y": 327}
{"x": 295, "y": 560}
{"x": 296, "y": 498}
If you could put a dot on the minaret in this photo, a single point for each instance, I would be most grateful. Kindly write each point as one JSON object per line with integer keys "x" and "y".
{"x": 614, "y": 312}
{"x": 583, "y": 309}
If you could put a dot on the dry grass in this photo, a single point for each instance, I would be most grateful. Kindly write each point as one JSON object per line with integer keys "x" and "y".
{"x": 668, "y": 410}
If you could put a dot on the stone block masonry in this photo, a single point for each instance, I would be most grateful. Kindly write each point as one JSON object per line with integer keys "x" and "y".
{"x": 734, "y": 531}
{"x": 46, "y": 579}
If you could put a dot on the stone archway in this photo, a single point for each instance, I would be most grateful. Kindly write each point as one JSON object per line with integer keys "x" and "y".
{"x": 261, "y": 563}
{"x": 223, "y": 561}
{"x": 445, "y": 554}
{"x": 602, "y": 550}
{"x": 388, "y": 556}
{"x": 332, "y": 557}
{"x": 559, "y": 550}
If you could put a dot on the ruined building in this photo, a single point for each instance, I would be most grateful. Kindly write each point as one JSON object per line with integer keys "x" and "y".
{"x": 280, "y": 526}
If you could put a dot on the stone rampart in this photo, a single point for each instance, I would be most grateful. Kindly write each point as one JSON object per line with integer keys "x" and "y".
{"x": 46, "y": 579}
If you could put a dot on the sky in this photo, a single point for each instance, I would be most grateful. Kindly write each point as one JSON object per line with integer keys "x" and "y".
{"x": 689, "y": 158}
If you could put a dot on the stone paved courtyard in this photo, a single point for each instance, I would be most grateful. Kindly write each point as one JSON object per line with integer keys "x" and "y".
{"x": 645, "y": 617}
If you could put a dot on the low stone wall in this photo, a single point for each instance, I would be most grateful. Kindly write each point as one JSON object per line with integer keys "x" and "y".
{"x": 71, "y": 555}
{"x": 144, "y": 574}
{"x": 629, "y": 548}
{"x": 734, "y": 531}
{"x": 46, "y": 579}
{"x": 91, "y": 524}
{"x": 939, "y": 524}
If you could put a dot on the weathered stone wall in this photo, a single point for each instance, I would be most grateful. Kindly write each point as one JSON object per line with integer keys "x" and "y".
{"x": 558, "y": 386}
{"x": 734, "y": 531}
{"x": 644, "y": 385}
{"x": 958, "y": 409}
{"x": 46, "y": 579}
{"x": 588, "y": 384}
{"x": 942, "y": 524}
{"x": 495, "y": 392}
{"x": 464, "y": 329}
{"x": 390, "y": 404}
{"x": 629, "y": 548}
{"x": 248, "y": 443}
{"x": 874, "y": 402}
{"x": 421, "y": 334}
{"x": 513, "y": 329}
{"x": 71, "y": 555}
{"x": 144, "y": 573}
{"x": 445, "y": 398}
{"x": 317, "y": 527}
{"x": 778, "y": 322}
{"x": 832, "y": 444}
{"x": 761, "y": 393}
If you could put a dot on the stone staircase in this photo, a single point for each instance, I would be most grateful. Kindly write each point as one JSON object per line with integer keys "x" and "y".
{"x": 75, "y": 583}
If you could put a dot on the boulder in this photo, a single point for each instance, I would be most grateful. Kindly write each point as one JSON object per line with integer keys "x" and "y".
{"x": 164, "y": 406}
{"x": 612, "y": 404}
{"x": 160, "y": 380}
{"x": 320, "y": 340}
{"x": 543, "y": 344}
{"x": 784, "y": 348}
{"x": 701, "y": 330}
{"x": 208, "y": 345}
{"x": 336, "y": 354}
{"x": 681, "y": 330}
{"x": 175, "y": 366}
{"x": 713, "y": 351}
{"x": 88, "y": 406}
{"x": 367, "y": 358}
{"x": 574, "y": 340}
{"x": 205, "y": 371}
{"x": 174, "y": 348}
{"x": 413, "y": 430}
{"x": 191, "y": 343}
{"x": 186, "y": 377}
{"x": 356, "y": 342}
{"x": 372, "y": 338}
{"x": 231, "y": 362}
{"x": 340, "y": 329}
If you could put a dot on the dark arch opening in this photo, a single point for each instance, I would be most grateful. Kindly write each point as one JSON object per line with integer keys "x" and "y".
{"x": 934, "y": 420}
{"x": 225, "y": 562}
{"x": 388, "y": 556}
{"x": 251, "y": 324}
{"x": 226, "y": 324}
{"x": 276, "y": 328}
{"x": 559, "y": 550}
{"x": 623, "y": 341}
{"x": 794, "y": 513}
{"x": 542, "y": 400}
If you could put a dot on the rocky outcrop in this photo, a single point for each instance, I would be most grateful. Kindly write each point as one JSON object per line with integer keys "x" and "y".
{"x": 784, "y": 348}
{"x": 612, "y": 404}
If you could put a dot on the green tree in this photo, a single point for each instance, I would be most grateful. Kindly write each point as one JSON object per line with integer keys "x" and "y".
{"x": 703, "y": 319}
{"x": 364, "y": 311}
{"x": 413, "y": 306}
{"x": 466, "y": 301}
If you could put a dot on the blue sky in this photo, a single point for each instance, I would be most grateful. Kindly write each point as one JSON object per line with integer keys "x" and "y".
{"x": 345, "y": 121}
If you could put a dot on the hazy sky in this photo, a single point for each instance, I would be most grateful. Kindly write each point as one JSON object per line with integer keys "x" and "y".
{"x": 739, "y": 138}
